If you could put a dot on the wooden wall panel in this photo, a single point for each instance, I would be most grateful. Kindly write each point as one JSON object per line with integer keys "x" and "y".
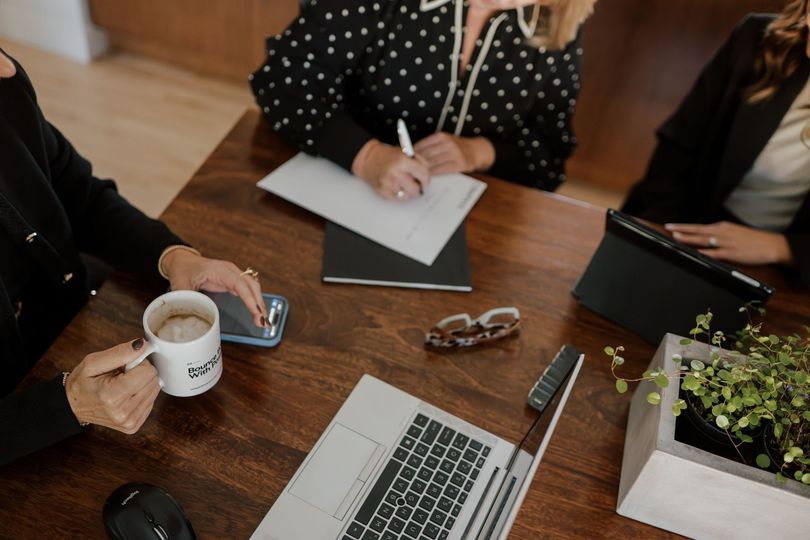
{"x": 641, "y": 58}
{"x": 213, "y": 37}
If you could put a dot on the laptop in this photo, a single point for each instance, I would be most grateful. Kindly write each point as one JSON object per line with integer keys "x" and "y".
{"x": 390, "y": 466}
{"x": 650, "y": 284}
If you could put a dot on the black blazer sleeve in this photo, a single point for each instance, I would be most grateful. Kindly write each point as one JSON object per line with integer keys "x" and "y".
{"x": 35, "y": 418}
{"x": 662, "y": 196}
{"x": 103, "y": 222}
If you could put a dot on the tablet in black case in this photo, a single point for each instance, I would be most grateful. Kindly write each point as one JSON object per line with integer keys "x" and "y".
{"x": 650, "y": 284}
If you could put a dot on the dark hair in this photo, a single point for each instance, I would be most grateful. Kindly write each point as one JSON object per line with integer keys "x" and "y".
{"x": 783, "y": 49}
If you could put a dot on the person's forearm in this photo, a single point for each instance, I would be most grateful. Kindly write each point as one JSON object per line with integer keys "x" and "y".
{"x": 783, "y": 254}
{"x": 361, "y": 159}
{"x": 484, "y": 152}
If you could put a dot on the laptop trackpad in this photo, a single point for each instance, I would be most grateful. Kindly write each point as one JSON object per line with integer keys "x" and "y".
{"x": 337, "y": 468}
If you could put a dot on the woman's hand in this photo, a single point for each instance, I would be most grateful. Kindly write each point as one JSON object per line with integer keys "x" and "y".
{"x": 734, "y": 243}
{"x": 99, "y": 392}
{"x": 189, "y": 271}
{"x": 391, "y": 173}
{"x": 447, "y": 153}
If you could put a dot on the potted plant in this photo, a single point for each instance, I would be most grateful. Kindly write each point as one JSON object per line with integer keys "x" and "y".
{"x": 752, "y": 388}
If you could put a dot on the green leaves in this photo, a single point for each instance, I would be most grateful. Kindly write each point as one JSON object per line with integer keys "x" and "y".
{"x": 793, "y": 453}
{"x": 690, "y": 383}
{"x": 679, "y": 406}
{"x": 762, "y": 382}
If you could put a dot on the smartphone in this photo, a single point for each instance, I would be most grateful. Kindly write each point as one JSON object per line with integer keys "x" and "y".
{"x": 236, "y": 322}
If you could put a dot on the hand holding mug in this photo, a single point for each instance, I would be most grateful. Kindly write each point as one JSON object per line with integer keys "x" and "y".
{"x": 100, "y": 392}
{"x": 183, "y": 343}
{"x": 189, "y": 271}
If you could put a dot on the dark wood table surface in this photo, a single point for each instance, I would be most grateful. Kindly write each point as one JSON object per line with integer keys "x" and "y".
{"x": 227, "y": 454}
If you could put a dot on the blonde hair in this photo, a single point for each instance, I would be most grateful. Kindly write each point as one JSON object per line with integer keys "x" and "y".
{"x": 783, "y": 49}
{"x": 556, "y": 25}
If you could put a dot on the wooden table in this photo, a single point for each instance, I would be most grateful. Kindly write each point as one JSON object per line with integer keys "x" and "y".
{"x": 227, "y": 454}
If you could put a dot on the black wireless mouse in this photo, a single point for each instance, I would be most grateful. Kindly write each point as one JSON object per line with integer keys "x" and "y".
{"x": 138, "y": 511}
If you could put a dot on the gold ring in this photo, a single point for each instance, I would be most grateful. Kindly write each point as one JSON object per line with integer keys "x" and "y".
{"x": 250, "y": 272}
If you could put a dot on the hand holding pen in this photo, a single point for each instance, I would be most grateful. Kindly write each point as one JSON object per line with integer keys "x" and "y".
{"x": 392, "y": 173}
{"x": 407, "y": 148}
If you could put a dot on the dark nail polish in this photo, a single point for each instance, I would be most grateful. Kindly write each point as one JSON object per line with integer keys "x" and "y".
{"x": 137, "y": 345}
{"x": 263, "y": 320}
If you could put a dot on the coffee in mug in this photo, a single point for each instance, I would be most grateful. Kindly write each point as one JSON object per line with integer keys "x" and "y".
{"x": 182, "y": 331}
{"x": 183, "y": 327}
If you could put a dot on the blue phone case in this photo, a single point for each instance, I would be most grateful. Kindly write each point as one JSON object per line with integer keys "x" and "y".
{"x": 233, "y": 315}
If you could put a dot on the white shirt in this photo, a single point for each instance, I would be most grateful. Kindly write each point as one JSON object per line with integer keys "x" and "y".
{"x": 772, "y": 191}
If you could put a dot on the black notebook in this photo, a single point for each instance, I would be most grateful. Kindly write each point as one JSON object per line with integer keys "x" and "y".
{"x": 351, "y": 258}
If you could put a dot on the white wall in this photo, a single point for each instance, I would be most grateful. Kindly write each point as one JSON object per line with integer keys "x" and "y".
{"x": 59, "y": 26}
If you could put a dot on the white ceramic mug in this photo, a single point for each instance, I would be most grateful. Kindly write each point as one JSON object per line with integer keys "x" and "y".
{"x": 184, "y": 368}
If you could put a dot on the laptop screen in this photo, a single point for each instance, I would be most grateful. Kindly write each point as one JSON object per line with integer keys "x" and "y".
{"x": 555, "y": 386}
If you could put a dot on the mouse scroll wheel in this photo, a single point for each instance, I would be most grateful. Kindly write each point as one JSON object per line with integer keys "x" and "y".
{"x": 160, "y": 533}
{"x": 157, "y": 528}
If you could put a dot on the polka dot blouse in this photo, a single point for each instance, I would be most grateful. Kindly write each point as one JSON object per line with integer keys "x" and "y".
{"x": 346, "y": 70}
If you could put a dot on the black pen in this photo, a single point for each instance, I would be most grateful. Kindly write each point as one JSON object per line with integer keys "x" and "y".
{"x": 407, "y": 146}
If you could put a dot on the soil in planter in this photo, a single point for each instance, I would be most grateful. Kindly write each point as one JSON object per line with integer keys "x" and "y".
{"x": 692, "y": 429}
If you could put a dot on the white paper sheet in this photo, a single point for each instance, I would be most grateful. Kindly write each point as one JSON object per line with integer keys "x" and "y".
{"x": 417, "y": 228}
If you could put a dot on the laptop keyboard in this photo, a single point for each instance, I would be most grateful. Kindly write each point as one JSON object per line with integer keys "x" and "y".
{"x": 423, "y": 487}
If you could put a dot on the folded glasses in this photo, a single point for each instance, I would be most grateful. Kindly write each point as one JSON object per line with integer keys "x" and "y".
{"x": 462, "y": 331}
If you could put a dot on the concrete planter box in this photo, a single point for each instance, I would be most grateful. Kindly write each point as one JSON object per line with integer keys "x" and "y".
{"x": 686, "y": 490}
